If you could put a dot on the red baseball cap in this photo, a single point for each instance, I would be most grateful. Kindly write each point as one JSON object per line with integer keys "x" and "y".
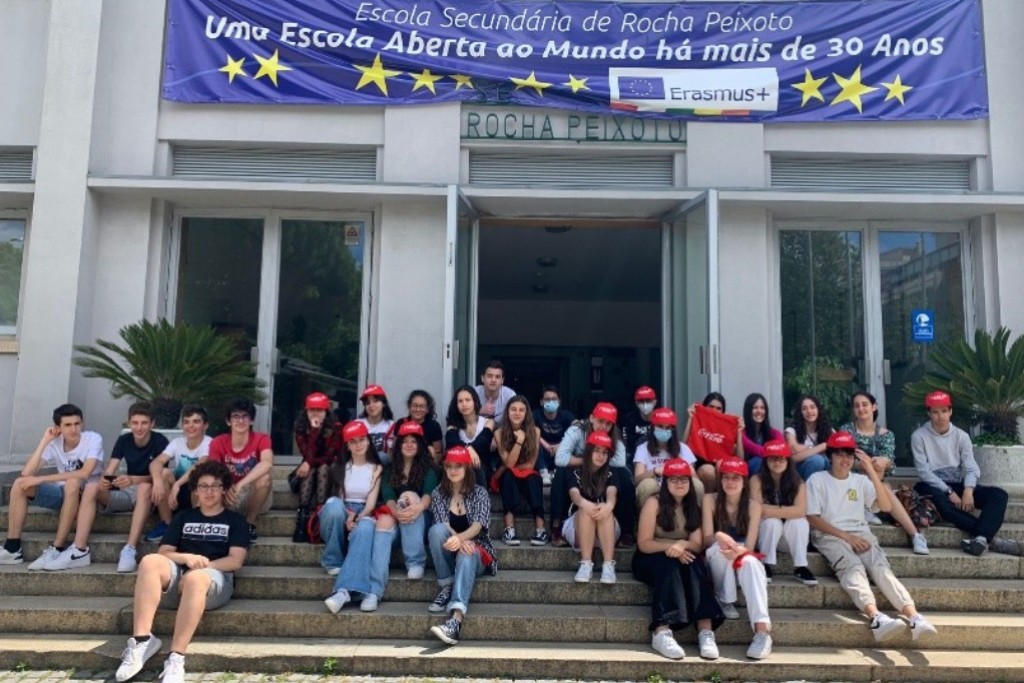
{"x": 665, "y": 417}
{"x": 841, "y": 441}
{"x": 354, "y": 430}
{"x": 409, "y": 427}
{"x": 777, "y": 448}
{"x": 733, "y": 466}
{"x": 373, "y": 390}
{"x": 645, "y": 394}
{"x": 938, "y": 399}
{"x": 605, "y": 411}
{"x": 676, "y": 467}
{"x": 458, "y": 455}
{"x": 600, "y": 439}
{"x": 318, "y": 401}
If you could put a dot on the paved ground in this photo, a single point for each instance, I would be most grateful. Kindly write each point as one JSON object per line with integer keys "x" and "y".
{"x": 227, "y": 677}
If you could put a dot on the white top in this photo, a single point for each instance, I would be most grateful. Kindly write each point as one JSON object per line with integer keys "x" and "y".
{"x": 182, "y": 458}
{"x": 810, "y": 439}
{"x": 840, "y": 502}
{"x": 358, "y": 482}
{"x": 494, "y": 409}
{"x": 378, "y": 436}
{"x": 480, "y": 420}
{"x": 650, "y": 462}
{"x": 90, "y": 447}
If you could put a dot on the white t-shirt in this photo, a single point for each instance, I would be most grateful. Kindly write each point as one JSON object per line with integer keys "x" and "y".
{"x": 643, "y": 455}
{"x": 378, "y": 436}
{"x": 182, "y": 457}
{"x": 358, "y": 482}
{"x": 90, "y": 447}
{"x": 810, "y": 440}
{"x": 840, "y": 502}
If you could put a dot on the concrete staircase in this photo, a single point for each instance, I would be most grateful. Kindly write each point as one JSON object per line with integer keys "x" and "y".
{"x": 531, "y": 621}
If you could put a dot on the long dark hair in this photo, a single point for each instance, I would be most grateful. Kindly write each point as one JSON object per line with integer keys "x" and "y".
{"x": 386, "y": 414}
{"x": 667, "y": 508}
{"x": 714, "y": 396}
{"x": 672, "y": 447}
{"x": 455, "y": 418}
{"x": 421, "y": 464}
{"x": 823, "y": 425}
{"x": 431, "y": 406}
{"x": 327, "y": 428}
{"x": 721, "y": 516}
{"x": 342, "y": 467}
{"x": 508, "y": 437}
{"x": 594, "y": 481}
{"x": 468, "y": 482}
{"x": 789, "y": 484}
{"x": 758, "y": 434}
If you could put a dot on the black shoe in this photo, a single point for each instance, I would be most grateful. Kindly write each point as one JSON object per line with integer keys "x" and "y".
{"x": 301, "y": 535}
{"x": 253, "y": 536}
{"x": 448, "y": 632}
{"x": 768, "y": 572}
{"x": 804, "y": 576}
{"x": 540, "y": 537}
{"x": 440, "y": 603}
{"x": 973, "y": 546}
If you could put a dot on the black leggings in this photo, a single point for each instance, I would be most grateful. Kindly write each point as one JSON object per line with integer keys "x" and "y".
{"x": 514, "y": 489}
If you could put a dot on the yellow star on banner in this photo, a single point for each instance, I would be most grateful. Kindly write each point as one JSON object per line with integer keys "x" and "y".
{"x": 531, "y": 82}
{"x": 462, "y": 80}
{"x": 577, "y": 84}
{"x": 425, "y": 80}
{"x": 897, "y": 90}
{"x": 810, "y": 88}
{"x": 233, "y": 68}
{"x": 375, "y": 74}
{"x": 852, "y": 89}
{"x": 270, "y": 67}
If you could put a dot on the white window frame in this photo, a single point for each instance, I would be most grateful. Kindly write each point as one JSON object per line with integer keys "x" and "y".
{"x": 270, "y": 268}
{"x": 18, "y": 215}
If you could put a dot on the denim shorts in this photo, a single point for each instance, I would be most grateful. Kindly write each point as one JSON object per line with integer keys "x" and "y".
{"x": 222, "y": 585}
{"x": 50, "y": 495}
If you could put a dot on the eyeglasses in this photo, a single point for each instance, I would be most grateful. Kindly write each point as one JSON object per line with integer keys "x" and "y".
{"x": 206, "y": 488}
{"x": 678, "y": 480}
{"x": 417, "y": 406}
{"x": 240, "y": 417}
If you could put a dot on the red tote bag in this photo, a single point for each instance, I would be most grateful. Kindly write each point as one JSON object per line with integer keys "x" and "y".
{"x": 713, "y": 434}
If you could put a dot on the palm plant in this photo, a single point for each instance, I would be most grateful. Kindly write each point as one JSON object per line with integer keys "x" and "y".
{"x": 169, "y": 365}
{"x": 986, "y": 382}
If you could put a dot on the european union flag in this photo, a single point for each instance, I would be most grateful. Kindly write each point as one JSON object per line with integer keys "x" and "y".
{"x": 641, "y": 88}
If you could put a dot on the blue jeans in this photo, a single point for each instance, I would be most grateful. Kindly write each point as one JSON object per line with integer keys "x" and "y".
{"x": 332, "y": 530}
{"x": 754, "y": 464}
{"x": 414, "y": 549}
{"x": 457, "y": 570}
{"x": 813, "y": 464}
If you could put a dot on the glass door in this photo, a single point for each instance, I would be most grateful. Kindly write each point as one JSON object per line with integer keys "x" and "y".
{"x": 922, "y": 303}
{"x": 459, "y": 360}
{"x": 691, "y": 359}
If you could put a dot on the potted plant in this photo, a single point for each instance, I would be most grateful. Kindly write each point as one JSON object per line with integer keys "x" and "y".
{"x": 986, "y": 381}
{"x": 170, "y": 365}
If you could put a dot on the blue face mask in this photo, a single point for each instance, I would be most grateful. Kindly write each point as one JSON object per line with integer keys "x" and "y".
{"x": 551, "y": 406}
{"x": 662, "y": 435}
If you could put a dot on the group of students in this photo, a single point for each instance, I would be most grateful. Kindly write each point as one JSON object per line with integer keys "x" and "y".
{"x": 707, "y": 528}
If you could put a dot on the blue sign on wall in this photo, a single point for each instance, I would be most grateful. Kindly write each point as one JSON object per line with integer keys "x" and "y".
{"x": 842, "y": 60}
{"x": 922, "y": 324}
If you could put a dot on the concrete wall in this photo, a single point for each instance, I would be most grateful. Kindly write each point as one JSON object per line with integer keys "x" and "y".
{"x": 24, "y": 36}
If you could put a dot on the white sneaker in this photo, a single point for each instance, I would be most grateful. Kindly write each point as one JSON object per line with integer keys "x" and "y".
{"x": 7, "y": 557}
{"x": 369, "y": 603}
{"x": 585, "y": 571}
{"x": 174, "y": 669}
{"x": 920, "y": 544}
{"x": 919, "y": 626}
{"x": 729, "y": 610}
{"x": 708, "y": 646}
{"x": 871, "y": 518}
{"x": 337, "y": 601}
{"x": 135, "y": 656}
{"x": 333, "y": 571}
{"x": 760, "y": 646}
{"x": 48, "y": 556}
{"x": 128, "y": 561}
{"x": 546, "y": 477}
{"x": 608, "y": 572}
{"x": 71, "y": 558}
{"x": 885, "y": 627}
{"x": 665, "y": 644}
{"x": 414, "y": 573}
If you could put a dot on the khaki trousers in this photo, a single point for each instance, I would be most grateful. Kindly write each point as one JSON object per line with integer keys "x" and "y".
{"x": 853, "y": 570}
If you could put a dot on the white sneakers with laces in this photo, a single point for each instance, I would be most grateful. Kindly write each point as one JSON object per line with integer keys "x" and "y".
{"x": 760, "y": 646}
{"x": 174, "y": 669}
{"x": 919, "y": 543}
{"x": 585, "y": 571}
{"x": 665, "y": 644}
{"x": 128, "y": 561}
{"x": 919, "y": 627}
{"x": 135, "y": 656}
{"x": 71, "y": 558}
{"x": 608, "y": 572}
{"x": 48, "y": 556}
{"x": 708, "y": 646}
{"x": 884, "y": 627}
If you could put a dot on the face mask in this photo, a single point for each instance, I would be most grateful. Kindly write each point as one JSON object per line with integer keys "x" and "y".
{"x": 551, "y": 406}
{"x": 647, "y": 407}
{"x": 662, "y": 435}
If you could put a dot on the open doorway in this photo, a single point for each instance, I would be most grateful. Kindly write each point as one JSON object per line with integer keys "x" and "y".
{"x": 573, "y": 304}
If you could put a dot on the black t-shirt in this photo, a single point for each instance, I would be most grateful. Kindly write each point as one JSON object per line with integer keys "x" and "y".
{"x": 431, "y": 430}
{"x": 193, "y": 532}
{"x": 552, "y": 430}
{"x": 137, "y": 459}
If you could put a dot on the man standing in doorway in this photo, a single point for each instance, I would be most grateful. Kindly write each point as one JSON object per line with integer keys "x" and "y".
{"x": 493, "y": 393}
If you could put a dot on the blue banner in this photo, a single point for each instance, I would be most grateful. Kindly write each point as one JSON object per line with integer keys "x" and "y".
{"x": 830, "y": 60}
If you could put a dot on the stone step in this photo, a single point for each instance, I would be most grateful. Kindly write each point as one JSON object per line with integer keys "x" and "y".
{"x": 490, "y": 659}
{"x": 530, "y": 623}
{"x": 279, "y": 551}
{"x": 520, "y": 587}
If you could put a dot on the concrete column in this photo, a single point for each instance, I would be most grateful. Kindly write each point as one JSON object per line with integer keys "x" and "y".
{"x": 61, "y": 211}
